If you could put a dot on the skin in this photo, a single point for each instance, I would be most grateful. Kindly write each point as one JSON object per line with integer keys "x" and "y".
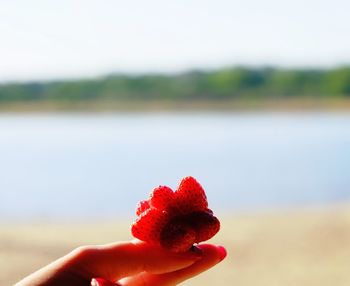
{"x": 131, "y": 263}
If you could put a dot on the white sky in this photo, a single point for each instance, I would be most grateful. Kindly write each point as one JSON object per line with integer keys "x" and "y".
{"x": 44, "y": 39}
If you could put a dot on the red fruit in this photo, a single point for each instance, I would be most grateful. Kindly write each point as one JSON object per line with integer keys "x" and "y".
{"x": 205, "y": 224}
{"x": 190, "y": 196}
{"x": 161, "y": 197}
{"x": 176, "y": 220}
{"x": 178, "y": 236}
{"x": 142, "y": 207}
{"x": 149, "y": 225}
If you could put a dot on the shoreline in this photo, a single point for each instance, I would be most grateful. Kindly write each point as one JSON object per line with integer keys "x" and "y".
{"x": 301, "y": 104}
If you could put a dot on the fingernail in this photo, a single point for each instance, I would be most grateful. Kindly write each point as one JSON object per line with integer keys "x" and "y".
{"x": 222, "y": 252}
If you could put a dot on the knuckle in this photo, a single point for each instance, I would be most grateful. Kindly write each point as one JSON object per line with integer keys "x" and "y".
{"x": 84, "y": 251}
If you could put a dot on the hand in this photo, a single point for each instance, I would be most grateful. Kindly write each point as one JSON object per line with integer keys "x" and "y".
{"x": 126, "y": 263}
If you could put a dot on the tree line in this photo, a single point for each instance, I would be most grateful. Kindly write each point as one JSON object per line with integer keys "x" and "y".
{"x": 226, "y": 83}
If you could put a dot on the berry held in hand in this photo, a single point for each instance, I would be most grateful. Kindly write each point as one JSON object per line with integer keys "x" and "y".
{"x": 175, "y": 220}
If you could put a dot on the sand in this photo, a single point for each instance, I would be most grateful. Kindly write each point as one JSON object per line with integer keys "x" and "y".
{"x": 289, "y": 104}
{"x": 304, "y": 247}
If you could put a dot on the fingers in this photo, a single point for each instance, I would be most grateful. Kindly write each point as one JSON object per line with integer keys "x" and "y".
{"x": 211, "y": 256}
{"x": 119, "y": 260}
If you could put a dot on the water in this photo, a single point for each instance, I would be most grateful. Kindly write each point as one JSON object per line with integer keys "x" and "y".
{"x": 86, "y": 166}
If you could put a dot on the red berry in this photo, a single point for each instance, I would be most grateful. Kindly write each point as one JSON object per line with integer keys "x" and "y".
{"x": 205, "y": 224}
{"x": 149, "y": 225}
{"x": 176, "y": 220}
{"x": 142, "y": 207}
{"x": 178, "y": 236}
{"x": 161, "y": 197}
{"x": 190, "y": 196}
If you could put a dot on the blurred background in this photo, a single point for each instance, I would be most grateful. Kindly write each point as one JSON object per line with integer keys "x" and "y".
{"x": 101, "y": 101}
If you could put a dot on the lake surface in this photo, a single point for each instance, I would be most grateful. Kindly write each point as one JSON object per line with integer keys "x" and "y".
{"x": 64, "y": 166}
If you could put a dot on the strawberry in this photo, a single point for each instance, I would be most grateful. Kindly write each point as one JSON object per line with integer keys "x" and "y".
{"x": 142, "y": 207}
{"x": 161, "y": 197}
{"x": 205, "y": 224}
{"x": 148, "y": 226}
{"x": 190, "y": 196}
{"x": 178, "y": 236}
{"x": 176, "y": 220}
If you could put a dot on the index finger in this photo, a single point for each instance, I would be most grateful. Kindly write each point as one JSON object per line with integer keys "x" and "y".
{"x": 212, "y": 255}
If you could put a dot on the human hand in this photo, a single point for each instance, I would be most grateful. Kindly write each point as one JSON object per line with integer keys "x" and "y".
{"x": 126, "y": 263}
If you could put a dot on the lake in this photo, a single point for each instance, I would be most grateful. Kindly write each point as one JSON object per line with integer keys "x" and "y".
{"x": 84, "y": 166}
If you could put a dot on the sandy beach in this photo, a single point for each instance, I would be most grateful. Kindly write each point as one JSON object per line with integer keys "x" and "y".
{"x": 304, "y": 247}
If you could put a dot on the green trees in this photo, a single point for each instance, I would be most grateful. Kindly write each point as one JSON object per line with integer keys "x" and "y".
{"x": 228, "y": 83}
{"x": 337, "y": 82}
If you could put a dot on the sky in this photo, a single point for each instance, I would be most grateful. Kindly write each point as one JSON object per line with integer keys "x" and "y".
{"x": 41, "y": 39}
